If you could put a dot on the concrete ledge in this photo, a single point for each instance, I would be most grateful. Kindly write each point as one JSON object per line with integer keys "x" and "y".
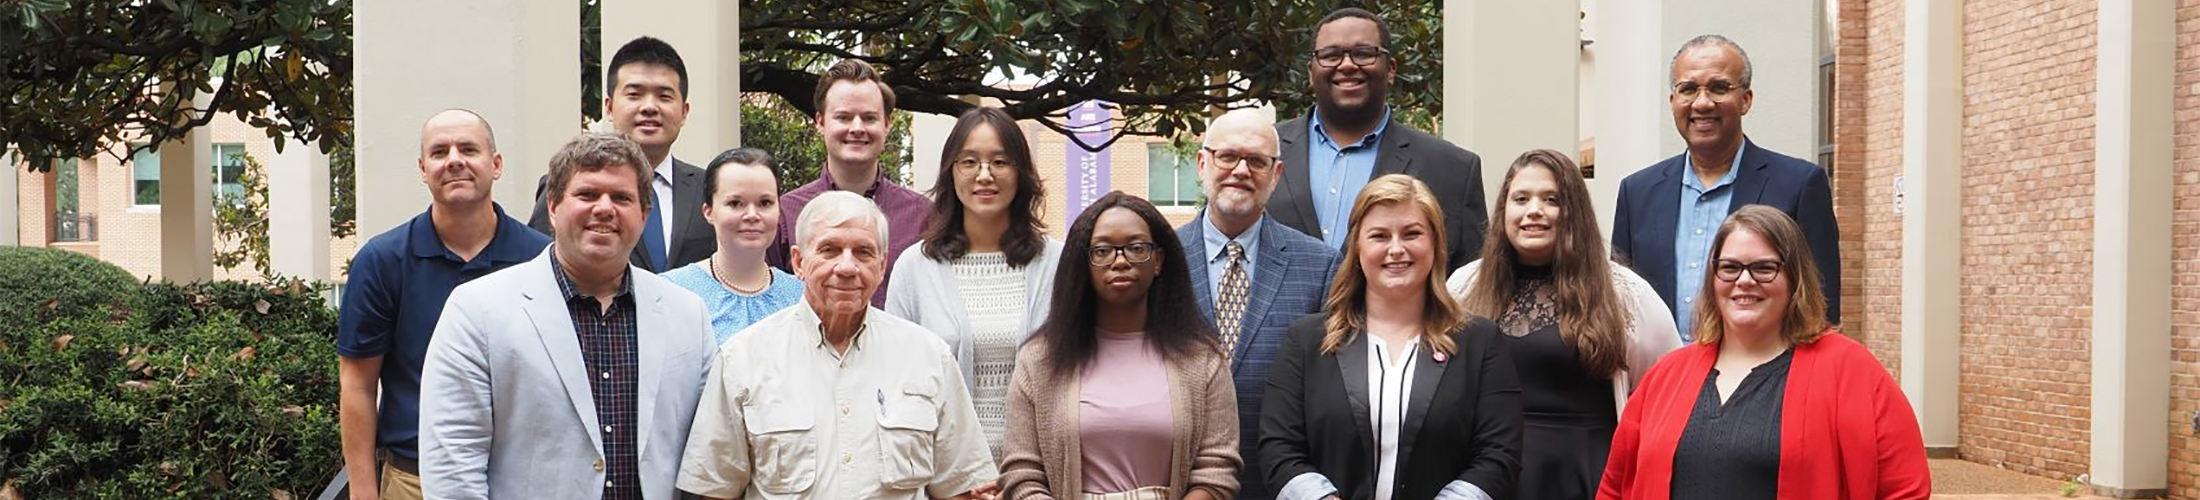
{"x": 2124, "y": 493}
{"x": 1941, "y": 452}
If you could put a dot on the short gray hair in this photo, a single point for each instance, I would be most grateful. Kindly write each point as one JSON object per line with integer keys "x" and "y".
{"x": 1709, "y": 40}
{"x": 833, "y": 209}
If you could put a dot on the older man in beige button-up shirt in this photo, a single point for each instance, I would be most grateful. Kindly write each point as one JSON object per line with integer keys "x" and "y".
{"x": 834, "y": 399}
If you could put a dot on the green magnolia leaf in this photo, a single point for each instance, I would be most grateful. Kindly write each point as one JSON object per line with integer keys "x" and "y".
{"x": 48, "y": 5}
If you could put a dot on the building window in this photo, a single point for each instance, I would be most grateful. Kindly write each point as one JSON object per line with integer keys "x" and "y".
{"x": 70, "y": 223}
{"x": 1825, "y": 113}
{"x": 228, "y": 170}
{"x": 1172, "y": 178}
{"x": 144, "y": 175}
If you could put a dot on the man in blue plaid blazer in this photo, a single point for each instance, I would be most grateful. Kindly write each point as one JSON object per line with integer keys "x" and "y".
{"x": 1251, "y": 274}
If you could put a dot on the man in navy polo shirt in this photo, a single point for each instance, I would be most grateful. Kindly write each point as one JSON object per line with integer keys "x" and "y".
{"x": 399, "y": 281}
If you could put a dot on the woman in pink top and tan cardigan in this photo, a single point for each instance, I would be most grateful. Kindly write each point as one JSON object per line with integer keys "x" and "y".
{"x": 1123, "y": 393}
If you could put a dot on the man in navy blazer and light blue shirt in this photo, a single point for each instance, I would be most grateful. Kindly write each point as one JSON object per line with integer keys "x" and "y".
{"x": 576, "y": 374}
{"x": 1283, "y": 274}
{"x": 1669, "y": 213}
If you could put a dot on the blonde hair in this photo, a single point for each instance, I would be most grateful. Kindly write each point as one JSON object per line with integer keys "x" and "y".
{"x": 1347, "y": 303}
{"x": 1805, "y": 319}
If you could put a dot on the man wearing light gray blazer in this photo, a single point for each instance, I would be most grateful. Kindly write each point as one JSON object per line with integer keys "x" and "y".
{"x": 574, "y": 375}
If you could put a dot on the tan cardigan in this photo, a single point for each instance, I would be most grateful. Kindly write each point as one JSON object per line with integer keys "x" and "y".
{"x": 1040, "y": 457}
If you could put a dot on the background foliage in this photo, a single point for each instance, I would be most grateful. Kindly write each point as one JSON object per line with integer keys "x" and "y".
{"x": 112, "y": 388}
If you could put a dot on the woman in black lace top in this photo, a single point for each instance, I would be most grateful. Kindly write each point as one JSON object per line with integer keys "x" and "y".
{"x": 1582, "y": 329}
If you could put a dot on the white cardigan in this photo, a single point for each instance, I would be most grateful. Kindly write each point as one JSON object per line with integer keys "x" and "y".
{"x": 1650, "y": 329}
{"x": 924, "y": 293}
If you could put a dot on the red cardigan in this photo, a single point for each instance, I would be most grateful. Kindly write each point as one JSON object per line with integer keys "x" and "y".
{"x": 1846, "y": 430}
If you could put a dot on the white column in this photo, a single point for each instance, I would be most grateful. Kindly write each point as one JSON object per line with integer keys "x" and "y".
{"x": 11, "y": 203}
{"x": 707, "y": 35}
{"x": 1781, "y": 40}
{"x": 297, "y": 192}
{"x": 187, "y": 204}
{"x": 1510, "y": 79}
{"x": 1932, "y": 217}
{"x": 2131, "y": 247}
{"x": 928, "y": 137}
{"x": 514, "y": 62}
{"x": 1629, "y": 91}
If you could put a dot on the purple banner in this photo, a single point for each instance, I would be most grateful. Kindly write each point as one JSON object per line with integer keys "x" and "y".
{"x": 1087, "y": 170}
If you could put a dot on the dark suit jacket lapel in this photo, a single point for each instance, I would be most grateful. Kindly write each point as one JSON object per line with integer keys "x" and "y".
{"x": 689, "y": 228}
{"x": 1194, "y": 237}
{"x": 1655, "y": 251}
{"x": 1393, "y": 158}
{"x": 1426, "y": 377}
{"x": 1267, "y": 283}
{"x": 1294, "y": 200}
{"x": 1352, "y": 364}
{"x": 546, "y": 308}
{"x": 1749, "y": 177}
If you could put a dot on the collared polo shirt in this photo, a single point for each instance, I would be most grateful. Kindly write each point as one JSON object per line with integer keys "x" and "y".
{"x": 906, "y": 211}
{"x": 399, "y": 281}
{"x": 1703, "y": 209}
{"x": 785, "y": 415}
{"x": 1337, "y": 173}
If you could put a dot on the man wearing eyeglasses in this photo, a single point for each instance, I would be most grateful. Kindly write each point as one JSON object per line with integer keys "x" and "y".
{"x": 1349, "y": 138}
{"x": 1251, "y": 275}
{"x": 1668, "y": 213}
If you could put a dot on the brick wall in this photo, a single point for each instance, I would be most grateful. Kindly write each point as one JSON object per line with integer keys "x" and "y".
{"x": 2184, "y": 458}
{"x": 2027, "y": 234}
{"x": 1867, "y": 158}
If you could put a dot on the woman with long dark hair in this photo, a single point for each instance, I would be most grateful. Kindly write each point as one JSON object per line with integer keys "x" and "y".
{"x": 1124, "y": 393}
{"x": 982, "y": 274}
{"x": 1392, "y": 392}
{"x": 1581, "y": 330}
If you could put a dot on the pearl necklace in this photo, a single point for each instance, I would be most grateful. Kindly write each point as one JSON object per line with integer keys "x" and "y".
{"x": 737, "y": 288}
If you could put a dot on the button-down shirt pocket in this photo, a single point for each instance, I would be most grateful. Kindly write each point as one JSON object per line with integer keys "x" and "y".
{"x": 782, "y": 446}
{"x": 907, "y": 424}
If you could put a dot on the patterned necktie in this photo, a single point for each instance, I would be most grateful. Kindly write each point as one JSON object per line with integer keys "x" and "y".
{"x": 1230, "y": 302}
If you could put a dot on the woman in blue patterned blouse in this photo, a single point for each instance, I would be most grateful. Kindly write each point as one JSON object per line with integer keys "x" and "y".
{"x": 735, "y": 284}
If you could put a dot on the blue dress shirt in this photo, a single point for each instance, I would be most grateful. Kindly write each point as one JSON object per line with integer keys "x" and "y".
{"x": 1702, "y": 210}
{"x": 1337, "y": 173}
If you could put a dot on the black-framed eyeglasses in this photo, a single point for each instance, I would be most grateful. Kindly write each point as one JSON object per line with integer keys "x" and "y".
{"x": 1138, "y": 253}
{"x": 969, "y": 166}
{"x": 1763, "y": 271}
{"x": 1231, "y": 159}
{"x": 1364, "y": 55}
{"x": 1719, "y": 90}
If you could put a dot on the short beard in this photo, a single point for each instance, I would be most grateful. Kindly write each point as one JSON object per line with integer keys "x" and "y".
{"x": 1366, "y": 116}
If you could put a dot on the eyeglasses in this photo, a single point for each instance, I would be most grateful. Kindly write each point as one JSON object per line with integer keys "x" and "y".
{"x": 1720, "y": 91}
{"x": 969, "y": 166}
{"x": 1138, "y": 253}
{"x": 1255, "y": 162}
{"x": 1364, "y": 55}
{"x": 1763, "y": 271}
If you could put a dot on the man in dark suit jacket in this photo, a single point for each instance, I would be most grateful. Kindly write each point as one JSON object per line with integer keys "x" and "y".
{"x": 647, "y": 101}
{"x": 1281, "y": 273}
{"x": 1669, "y": 213}
{"x": 1349, "y": 138}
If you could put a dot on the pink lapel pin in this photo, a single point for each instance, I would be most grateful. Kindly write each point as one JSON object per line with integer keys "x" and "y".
{"x": 1440, "y": 357}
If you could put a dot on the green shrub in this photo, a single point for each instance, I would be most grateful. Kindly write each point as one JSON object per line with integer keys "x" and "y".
{"x": 214, "y": 390}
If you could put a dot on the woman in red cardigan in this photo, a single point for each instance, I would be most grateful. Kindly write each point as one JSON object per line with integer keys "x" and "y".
{"x": 1770, "y": 402}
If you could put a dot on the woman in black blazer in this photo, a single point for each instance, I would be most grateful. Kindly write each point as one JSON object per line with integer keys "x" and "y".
{"x": 1392, "y": 392}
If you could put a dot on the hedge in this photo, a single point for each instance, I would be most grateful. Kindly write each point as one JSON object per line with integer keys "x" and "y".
{"x": 115, "y": 388}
